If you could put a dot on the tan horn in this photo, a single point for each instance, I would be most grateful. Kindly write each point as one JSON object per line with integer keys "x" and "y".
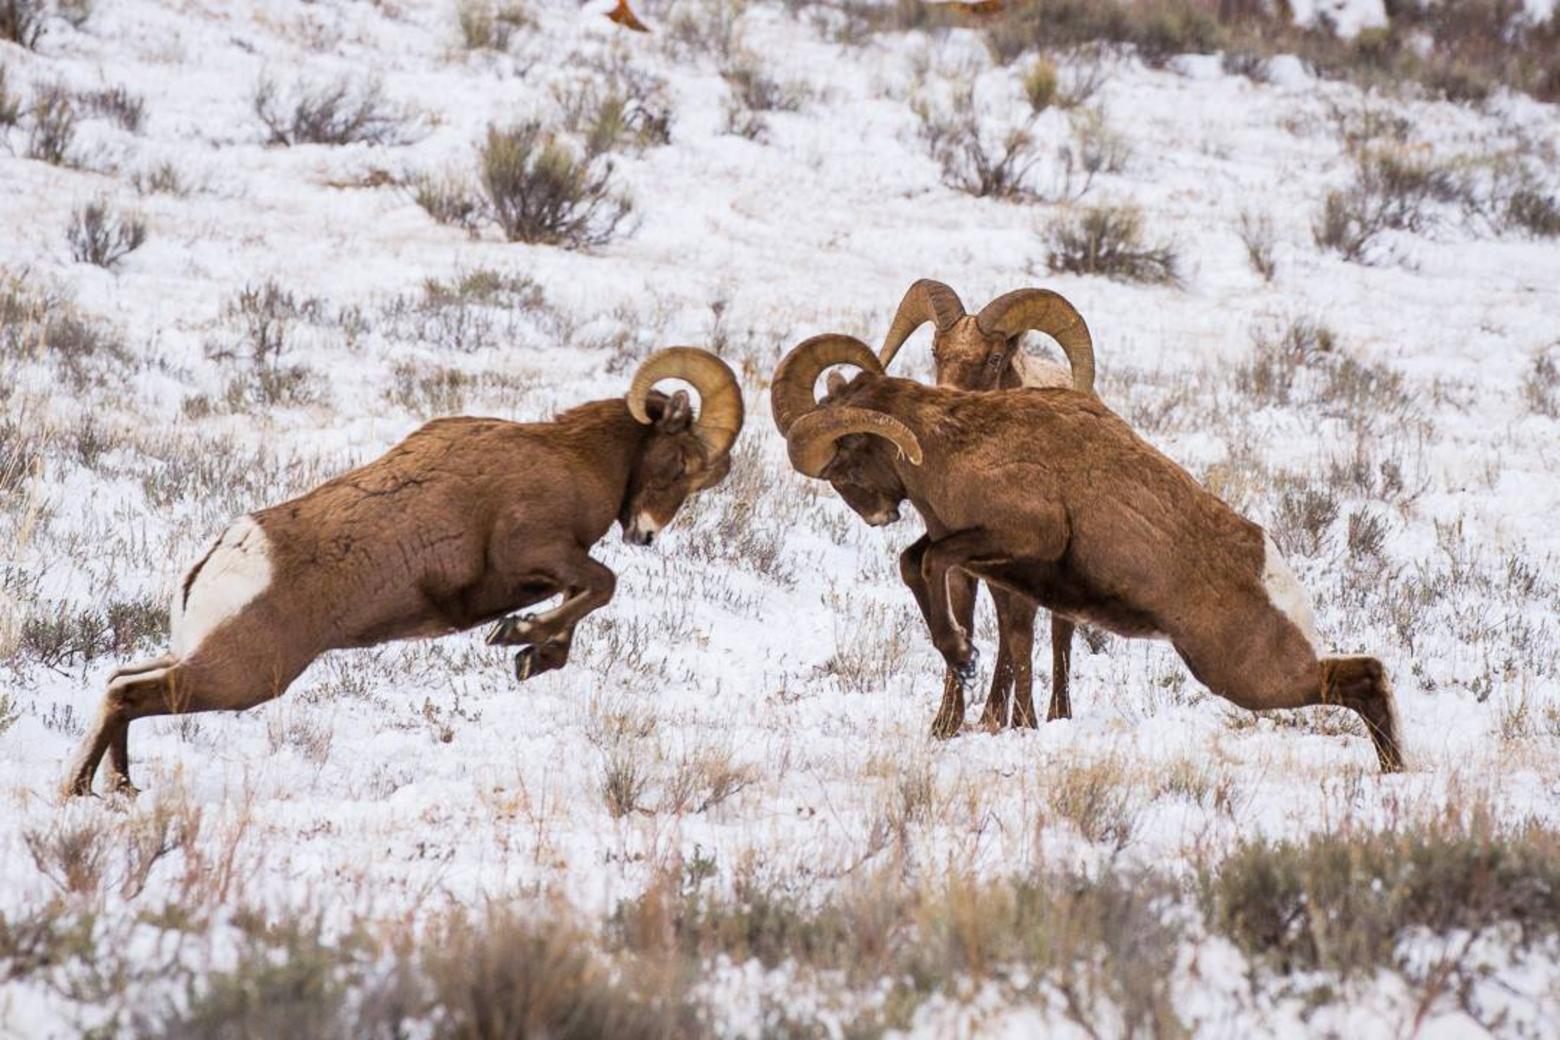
{"x": 925, "y": 301}
{"x": 1013, "y": 314}
{"x": 812, "y": 438}
{"x": 720, "y": 396}
{"x": 791, "y": 388}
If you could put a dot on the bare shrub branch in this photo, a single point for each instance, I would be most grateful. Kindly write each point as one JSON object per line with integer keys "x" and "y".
{"x": 538, "y": 190}
{"x": 1108, "y": 240}
{"x": 53, "y": 126}
{"x": 336, "y": 114}
{"x": 99, "y": 236}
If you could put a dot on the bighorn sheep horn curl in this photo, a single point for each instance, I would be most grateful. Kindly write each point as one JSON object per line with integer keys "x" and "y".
{"x": 1014, "y": 313}
{"x": 926, "y": 300}
{"x": 812, "y": 438}
{"x": 812, "y": 431}
{"x": 720, "y": 397}
{"x": 791, "y": 390}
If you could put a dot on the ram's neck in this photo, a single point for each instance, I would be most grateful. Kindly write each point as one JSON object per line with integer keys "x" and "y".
{"x": 608, "y": 441}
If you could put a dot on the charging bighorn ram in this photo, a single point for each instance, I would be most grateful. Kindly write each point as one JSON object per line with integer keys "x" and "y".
{"x": 981, "y": 352}
{"x": 460, "y": 524}
{"x": 1048, "y": 493}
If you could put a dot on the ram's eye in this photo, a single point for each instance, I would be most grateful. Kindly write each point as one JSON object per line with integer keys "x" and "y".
{"x": 994, "y": 360}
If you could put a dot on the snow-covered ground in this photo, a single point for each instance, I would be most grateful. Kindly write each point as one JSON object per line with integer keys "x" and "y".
{"x": 764, "y": 648}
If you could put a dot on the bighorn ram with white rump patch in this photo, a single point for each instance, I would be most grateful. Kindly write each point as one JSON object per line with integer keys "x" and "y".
{"x": 1050, "y": 494}
{"x": 981, "y": 352}
{"x": 460, "y": 524}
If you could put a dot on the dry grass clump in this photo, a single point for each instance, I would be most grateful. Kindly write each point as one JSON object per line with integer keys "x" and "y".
{"x": 53, "y": 125}
{"x": 1279, "y": 357}
{"x": 1541, "y": 386}
{"x": 971, "y": 162}
{"x": 21, "y": 453}
{"x": 39, "y": 323}
{"x": 1108, "y": 240}
{"x": 1256, "y": 234}
{"x": 537, "y": 189}
{"x": 754, "y": 93}
{"x": 1342, "y": 901}
{"x": 1457, "y": 49}
{"x": 1393, "y": 190}
{"x": 264, "y": 315}
{"x": 704, "y": 778}
{"x": 22, "y": 21}
{"x": 161, "y": 178}
{"x": 335, "y": 114}
{"x": 56, "y": 635}
{"x": 10, "y": 104}
{"x": 514, "y": 975}
{"x": 99, "y": 236}
{"x": 978, "y": 163}
{"x": 117, "y": 104}
{"x": 691, "y": 30}
{"x": 1099, "y": 798}
{"x": 477, "y": 309}
{"x": 448, "y": 199}
{"x": 621, "y": 108}
{"x": 1157, "y": 31}
{"x": 263, "y": 318}
{"x": 1092, "y": 943}
{"x": 489, "y": 25}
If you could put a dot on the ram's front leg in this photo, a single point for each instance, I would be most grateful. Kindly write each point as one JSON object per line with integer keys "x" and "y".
{"x": 942, "y": 560}
{"x": 546, "y": 637}
{"x": 980, "y": 553}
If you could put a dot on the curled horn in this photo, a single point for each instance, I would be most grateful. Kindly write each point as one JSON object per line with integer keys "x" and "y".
{"x": 720, "y": 397}
{"x": 925, "y": 301}
{"x": 791, "y": 390}
{"x": 812, "y": 437}
{"x": 1014, "y": 313}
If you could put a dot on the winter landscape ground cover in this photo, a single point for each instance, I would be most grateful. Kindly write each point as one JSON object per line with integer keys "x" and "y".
{"x": 244, "y": 246}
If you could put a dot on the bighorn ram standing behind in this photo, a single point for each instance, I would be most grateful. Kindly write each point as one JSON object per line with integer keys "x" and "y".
{"x": 1050, "y": 494}
{"x": 981, "y": 352}
{"x": 461, "y": 523}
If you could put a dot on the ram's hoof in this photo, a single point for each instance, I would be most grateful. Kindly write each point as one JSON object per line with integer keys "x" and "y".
{"x": 526, "y": 662}
{"x": 121, "y": 787}
{"x": 966, "y": 672}
{"x": 946, "y": 727}
{"x": 510, "y": 630}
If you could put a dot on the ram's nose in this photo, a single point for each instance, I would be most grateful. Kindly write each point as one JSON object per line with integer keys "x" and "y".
{"x": 886, "y": 517}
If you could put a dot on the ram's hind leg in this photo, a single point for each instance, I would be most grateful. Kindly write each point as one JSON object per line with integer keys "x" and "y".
{"x": 1013, "y": 674}
{"x": 184, "y": 687}
{"x": 1061, "y": 668}
{"x": 1361, "y": 683}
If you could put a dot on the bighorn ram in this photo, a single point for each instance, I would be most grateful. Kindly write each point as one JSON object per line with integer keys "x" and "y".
{"x": 1048, "y": 493}
{"x": 463, "y": 522}
{"x": 981, "y": 352}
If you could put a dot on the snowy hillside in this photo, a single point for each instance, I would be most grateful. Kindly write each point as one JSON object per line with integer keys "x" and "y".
{"x": 725, "y": 816}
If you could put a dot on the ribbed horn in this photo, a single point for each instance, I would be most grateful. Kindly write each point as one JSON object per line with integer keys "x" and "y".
{"x": 720, "y": 396}
{"x": 791, "y": 389}
{"x": 925, "y": 301}
{"x": 812, "y": 437}
{"x": 1014, "y": 313}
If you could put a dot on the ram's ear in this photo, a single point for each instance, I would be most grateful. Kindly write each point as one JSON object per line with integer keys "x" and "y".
{"x": 836, "y": 382}
{"x": 677, "y": 416}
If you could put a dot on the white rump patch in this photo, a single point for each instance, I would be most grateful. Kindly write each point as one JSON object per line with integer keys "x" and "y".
{"x": 1285, "y": 592}
{"x": 237, "y": 569}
